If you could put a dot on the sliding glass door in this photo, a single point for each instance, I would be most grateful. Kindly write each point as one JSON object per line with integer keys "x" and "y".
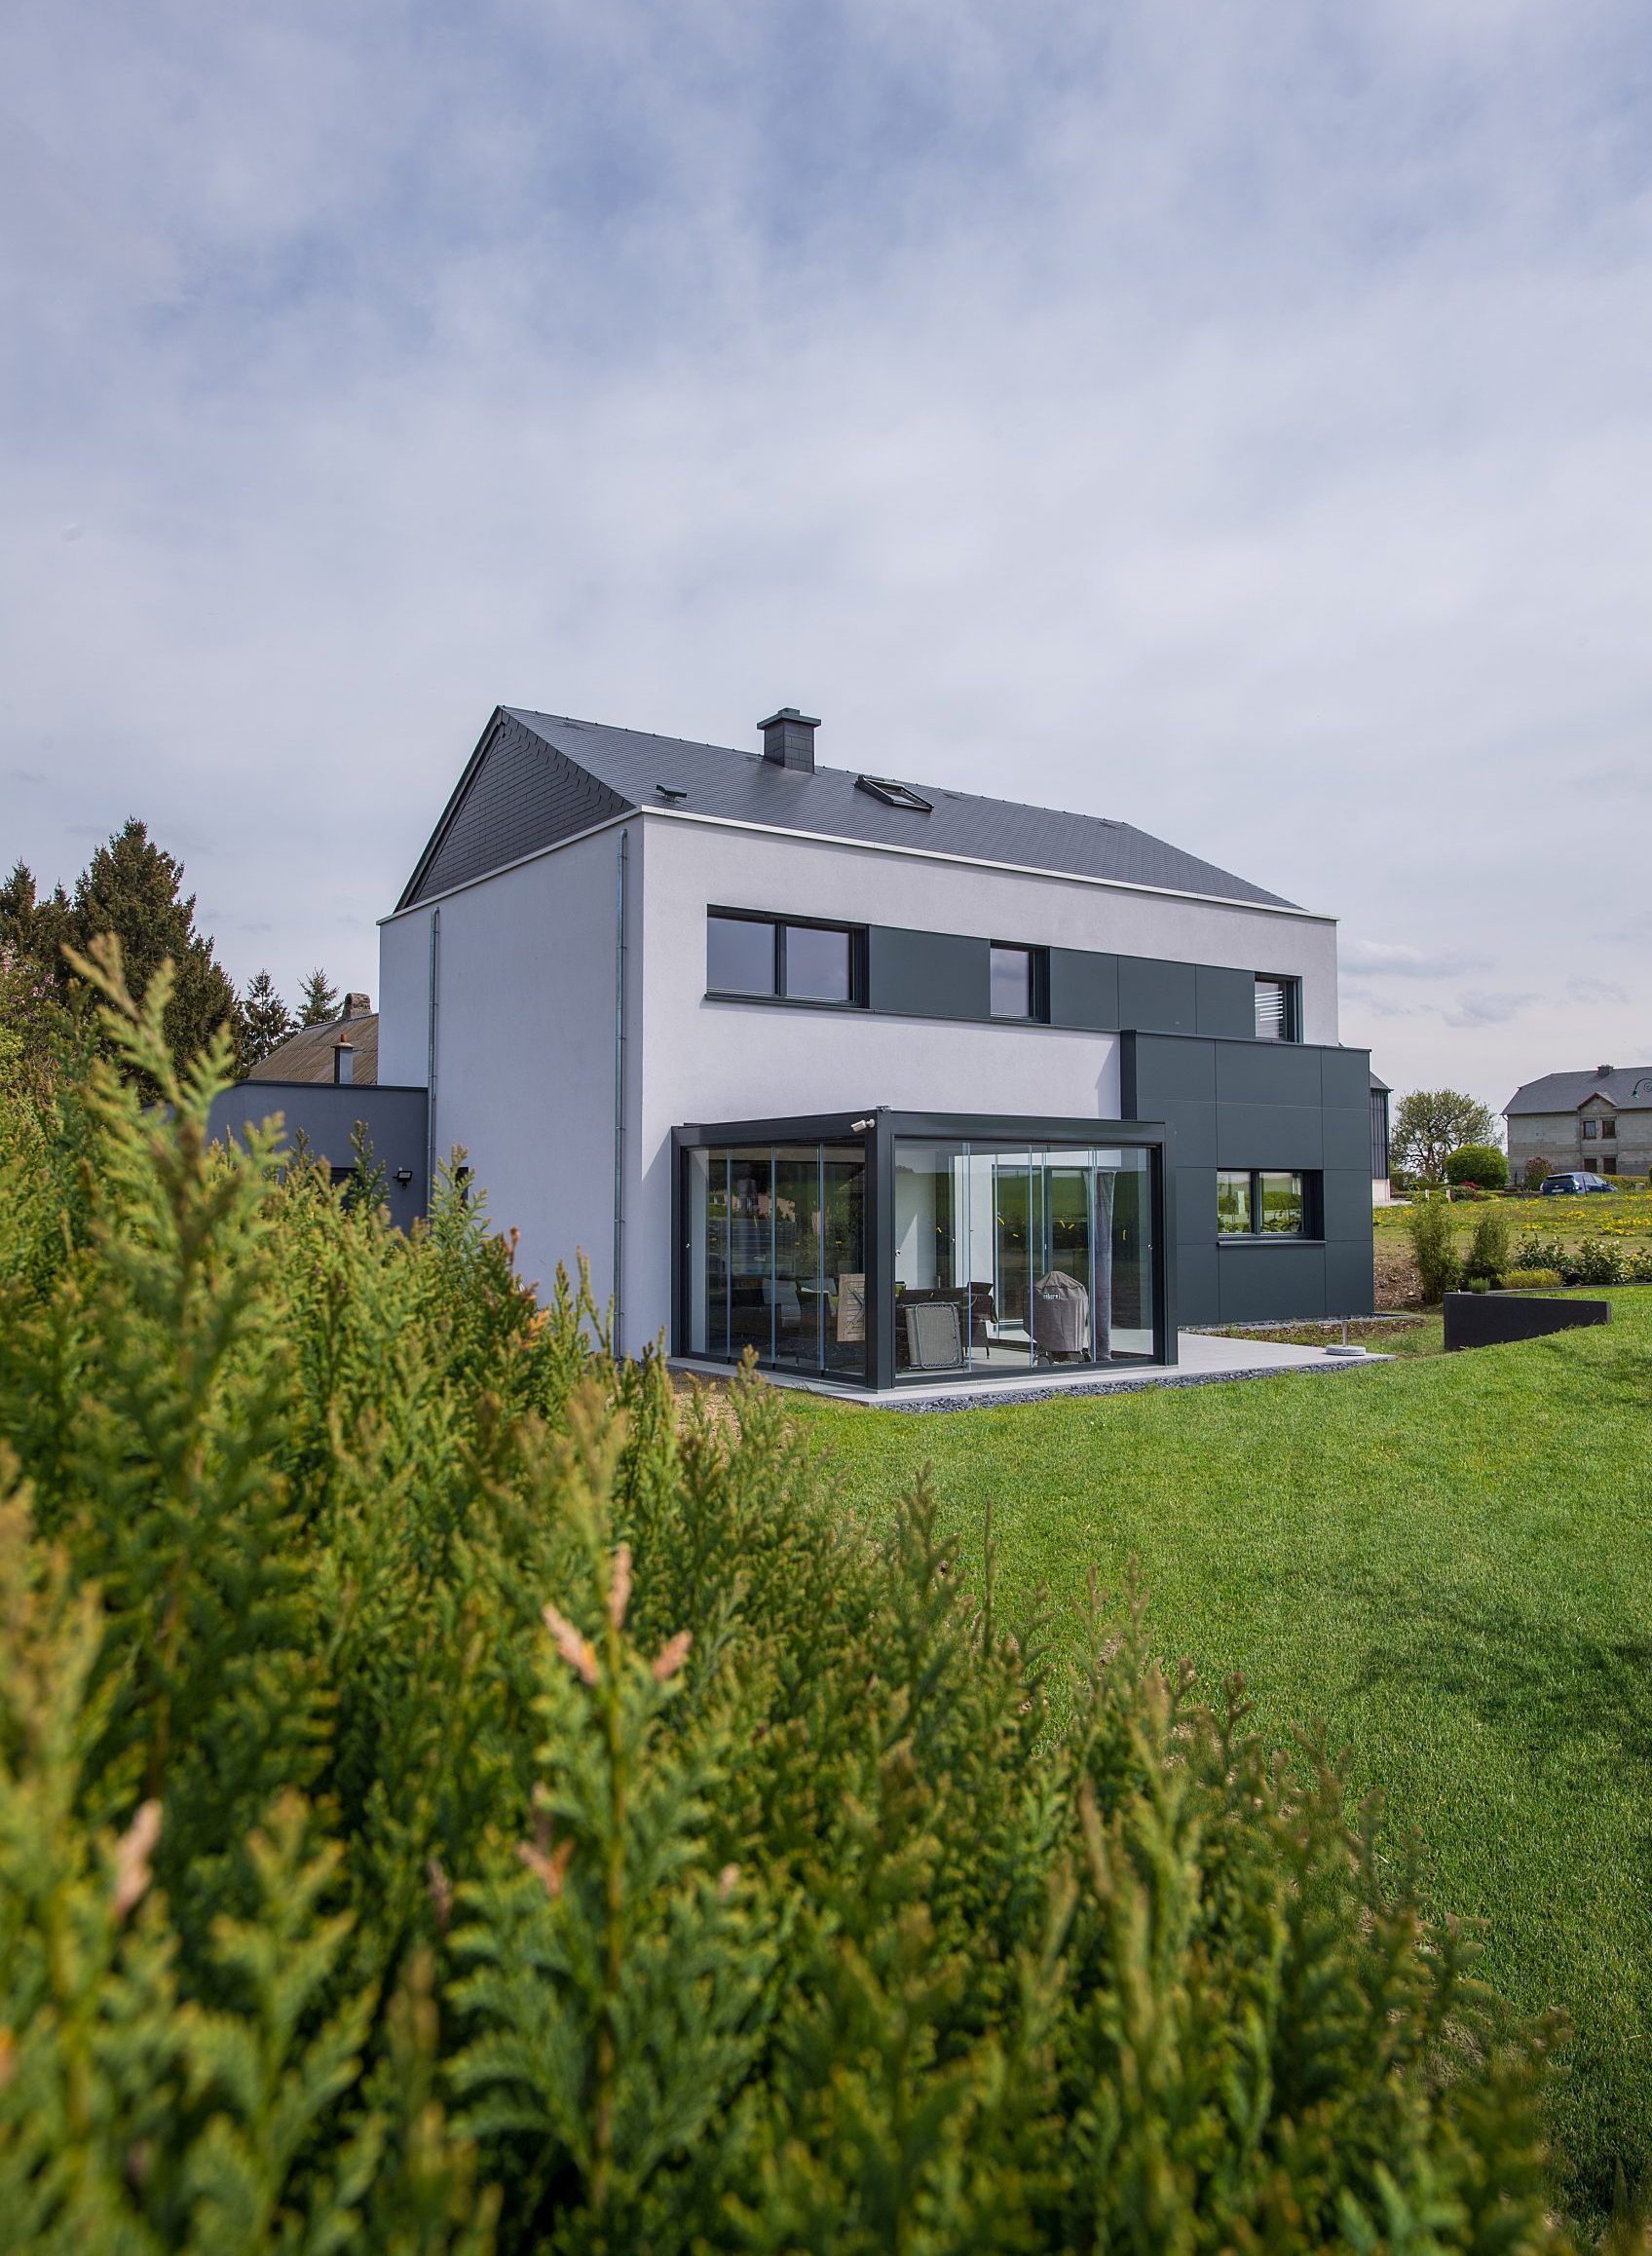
{"x": 1021, "y": 1259}
{"x": 776, "y": 1260}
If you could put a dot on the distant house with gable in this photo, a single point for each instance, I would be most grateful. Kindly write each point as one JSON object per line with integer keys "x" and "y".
{"x": 342, "y": 1049}
{"x": 1599, "y": 1120}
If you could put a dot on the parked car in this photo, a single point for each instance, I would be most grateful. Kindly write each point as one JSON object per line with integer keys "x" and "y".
{"x": 1565, "y": 1186}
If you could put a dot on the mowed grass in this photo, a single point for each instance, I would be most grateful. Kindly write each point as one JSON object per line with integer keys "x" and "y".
{"x": 1449, "y": 1561}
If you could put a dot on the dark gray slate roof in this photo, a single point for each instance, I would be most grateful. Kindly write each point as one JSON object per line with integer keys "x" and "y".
{"x": 538, "y": 777}
{"x": 1629, "y": 1088}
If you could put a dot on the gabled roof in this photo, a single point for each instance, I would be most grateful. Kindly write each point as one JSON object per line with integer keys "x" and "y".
{"x": 1627, "y": 1088}
{"x": 308, "y": 1055}
{"x": 537, "y": 778}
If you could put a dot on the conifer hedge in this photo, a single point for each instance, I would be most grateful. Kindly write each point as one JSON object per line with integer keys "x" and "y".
{"x": 446, "y": 1807}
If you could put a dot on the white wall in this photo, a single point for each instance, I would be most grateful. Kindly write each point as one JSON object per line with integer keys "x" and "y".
{"x": 524, "y": 1043}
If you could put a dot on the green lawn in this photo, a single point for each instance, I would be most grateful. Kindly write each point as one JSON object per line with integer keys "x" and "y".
{"x": 1450, "y": 1559}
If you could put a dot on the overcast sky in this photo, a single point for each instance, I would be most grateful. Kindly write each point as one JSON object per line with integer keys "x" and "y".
{"x": 1235, "y": 417}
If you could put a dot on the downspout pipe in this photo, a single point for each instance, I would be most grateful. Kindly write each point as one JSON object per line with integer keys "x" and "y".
{"x": 620, "y": 868}
{"x": 431, "y": 1062}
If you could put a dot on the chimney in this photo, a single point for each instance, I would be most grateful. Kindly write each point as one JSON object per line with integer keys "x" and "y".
{"x": 343, "y": 1062}
{"x": 1602, "y": 1071}
{"x": 788, "y": 740}
{"x": 356, "y": 1007}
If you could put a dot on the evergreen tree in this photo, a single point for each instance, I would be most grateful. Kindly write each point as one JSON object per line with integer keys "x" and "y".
{"x": 318, "y": 1000}
{"x": 263, "y": 1021}
{"x": 32, "y": 981}
{"x": 448, "y": 1802}
{"x": 132, "y": 888}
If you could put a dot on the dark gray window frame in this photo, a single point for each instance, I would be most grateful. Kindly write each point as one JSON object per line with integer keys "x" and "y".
{"x": 1313, "y": 1232}
{"x": 1292, "y": 985}
{"x": 1037, "y": 1012}
{"x": 855, "y": 935}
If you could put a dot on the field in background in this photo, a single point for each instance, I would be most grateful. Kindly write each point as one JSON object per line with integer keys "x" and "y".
{"x": 1622, "y": 1216}
{"x": 1450, "y": 1560}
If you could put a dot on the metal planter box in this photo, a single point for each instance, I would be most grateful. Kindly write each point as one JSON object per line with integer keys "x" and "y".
{"x": 1491, "y": 1319}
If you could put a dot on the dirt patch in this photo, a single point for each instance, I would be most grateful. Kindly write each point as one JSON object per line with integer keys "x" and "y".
{"x": 1398, "y": 1284}
{"x": 718, "y": 1395}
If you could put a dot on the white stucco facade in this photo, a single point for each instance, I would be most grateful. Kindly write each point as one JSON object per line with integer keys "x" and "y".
{"x": 525, "y": 1045}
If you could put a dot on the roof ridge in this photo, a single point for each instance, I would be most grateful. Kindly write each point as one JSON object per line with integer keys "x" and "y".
{"x": 828, "y": 767}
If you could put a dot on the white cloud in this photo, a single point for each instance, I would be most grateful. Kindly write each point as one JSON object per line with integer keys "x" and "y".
{"x": 1477, "y": 1010}
{"x": 1397, "y": 960}
{"x": 1234, "y": 422}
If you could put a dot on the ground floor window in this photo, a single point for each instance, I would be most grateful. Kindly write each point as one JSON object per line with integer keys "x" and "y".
{"x": 1263, "y": 1202}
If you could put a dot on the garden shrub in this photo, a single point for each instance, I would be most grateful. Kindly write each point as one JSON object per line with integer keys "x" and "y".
{"x": 1535, "y": 1253}
{"x": 1595, "y": 1262}
{"x": 1532, "y": 1280}
{"x": 1533, "y": 1173}
{"x": 445, "y": 1807}
{"x": 1434, "y": 1242}
{"x": 1481, "y": 1164}
{"x": 1488, "y": 1251}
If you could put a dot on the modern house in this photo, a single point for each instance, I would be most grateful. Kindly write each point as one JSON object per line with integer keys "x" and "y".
{"x": 343, "y": 1049}
{"x": 1599, "y": 1120}
{"x": 881, "y": 1079}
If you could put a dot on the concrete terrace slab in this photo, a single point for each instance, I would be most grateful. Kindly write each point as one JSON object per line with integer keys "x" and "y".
{"x": 1204, "y": 1360}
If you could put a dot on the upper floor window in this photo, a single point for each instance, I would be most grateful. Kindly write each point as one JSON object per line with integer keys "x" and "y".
{"x": 1020, "y": 982}
{"x": 1279, "y": 1008}
{"x": 772, "y": 956}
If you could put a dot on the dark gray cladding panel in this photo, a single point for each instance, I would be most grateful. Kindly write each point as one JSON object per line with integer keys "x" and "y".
{"x": 1346, "y": 1077}
{"x": 1156, "y": 997}
{"x": 1195, "y": 1130}
{"x": 519, "y": 796}
{"x": 1257, "y": 1073}
{"x": 1226, "y": 1002}
{"x": 1350, "y": 1288}
{"x": 1347, "y": 1203}
{"x": 1268, "y": 1136}
{"x": 1162, "y": 1069}
{"x": 1199, "y": 1298}
{"x": 1347, "y": 1137}
{"x": 1272, "y": 1284}
{"x": 927, "y": 974}
{"x": 325, "y": 1115}
{"x": 1083, "y": 990}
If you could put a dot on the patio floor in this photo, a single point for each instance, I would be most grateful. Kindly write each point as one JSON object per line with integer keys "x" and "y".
{"x": 1204, "y": 1360}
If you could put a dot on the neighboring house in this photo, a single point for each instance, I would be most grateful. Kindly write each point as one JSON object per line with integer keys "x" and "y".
{"x": 877, "y": 1077}
{"x": 1380, "y": 1190}
{"x": 1602, "y": 1122}
{"x": 344, "y": 1048}
{"x": 312, "y": 1081}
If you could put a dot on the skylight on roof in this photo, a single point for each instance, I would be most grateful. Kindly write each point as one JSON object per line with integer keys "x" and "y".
{"x": 894, "y": 794}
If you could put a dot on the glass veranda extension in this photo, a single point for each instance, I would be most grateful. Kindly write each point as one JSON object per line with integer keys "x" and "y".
{"x": 884, "y": 1248}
